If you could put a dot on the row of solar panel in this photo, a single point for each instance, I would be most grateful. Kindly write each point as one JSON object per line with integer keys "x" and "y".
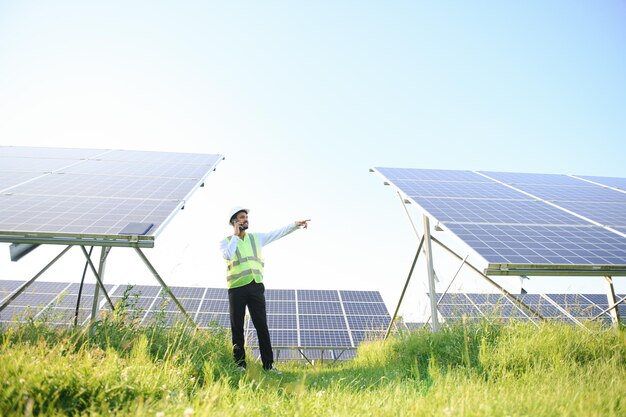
{"x": 311, "y": 318}
{"x": 571, "y": 308}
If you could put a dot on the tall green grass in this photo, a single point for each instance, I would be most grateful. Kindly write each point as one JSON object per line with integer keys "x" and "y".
{"x": 117, "y": 368}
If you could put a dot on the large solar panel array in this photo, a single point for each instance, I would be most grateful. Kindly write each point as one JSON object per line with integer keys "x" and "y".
{"x": 93, "y": 194}
{"x": 524, "y": 224}
{"x": 311, "y": 320}
{"x": 569, "y": 308}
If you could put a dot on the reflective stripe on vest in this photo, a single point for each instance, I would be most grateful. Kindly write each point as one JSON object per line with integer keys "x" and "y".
{"x": 241, "y": 269}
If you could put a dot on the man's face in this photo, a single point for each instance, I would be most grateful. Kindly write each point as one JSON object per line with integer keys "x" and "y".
{"x": 242, "y": 218}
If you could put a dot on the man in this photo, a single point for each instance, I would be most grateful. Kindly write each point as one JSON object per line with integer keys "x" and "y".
{"x": 244, "y": 275}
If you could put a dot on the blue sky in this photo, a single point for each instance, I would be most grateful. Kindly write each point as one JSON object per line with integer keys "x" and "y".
{"x": 303, "y": 99}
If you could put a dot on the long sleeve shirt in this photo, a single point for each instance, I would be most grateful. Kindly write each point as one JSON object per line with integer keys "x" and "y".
{"x": 229, "y": 246}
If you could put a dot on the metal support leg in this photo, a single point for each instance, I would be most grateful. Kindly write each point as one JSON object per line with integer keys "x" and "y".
{"x": 95, "y": 273}
{"x": 104, "y": 253}
{"x": 463, "y": 262}
{"x": 406, "y": 284}
{"x": 431, "y": 275}
{"x": 610, "y": 295}
{"x": 80, "y": 290}
{"x": 164, "y": 285}
{"x": 27, "y": 284}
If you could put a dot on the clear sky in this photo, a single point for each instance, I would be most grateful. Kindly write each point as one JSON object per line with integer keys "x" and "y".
{"x": 303, "y": 98}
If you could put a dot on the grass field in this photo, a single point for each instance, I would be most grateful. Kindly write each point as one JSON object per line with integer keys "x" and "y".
{"x": 119, "y": 369}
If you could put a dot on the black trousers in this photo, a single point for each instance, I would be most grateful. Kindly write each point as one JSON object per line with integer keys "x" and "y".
{"x": 252, "y": 296}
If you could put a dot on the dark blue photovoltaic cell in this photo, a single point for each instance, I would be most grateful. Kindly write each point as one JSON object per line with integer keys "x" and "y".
{"x": 366, "y": 309}
{"x": 9, "y": 285}
{"x": 17, "y": 313}
{"x": 187, "y": 292}
{"x": 12, "y": 179}
{"x": 459, "y": 190}
{"x": 88, "y": 288}
{"x": 216, "y": 294}
{"x": 133, "y": 303}
{"x": 281, "y": 307}
{"x": 458, "y": 310}
{"x": 317, "y": 307}
{"x": 515, "y": 178}
{"x": 502, "y": 311}
{"x": 369, "y": 322}
{"x": 284, "y": 338}
{"x": 283, "y": 295}
{"x": 610, "y": 181}
{"x": 394, "y": 174}
{"x": 361, "y": 296}
{"x": 590, "y": 194}
{"x": 453, "y": 298}
{"x": 321, "y": 338}
{"x": 322, "y": 322}
{"x": 607, "y": 214}
{"x": 64, "y": 315}
{"x": 214, "y": 306}
{"x": 213, "y": 319}
{"x": 317, "y": 295}
{"x": 548, "y": 245}
{"x": 282, "y": 321}
{"x": 532, "y": 212}
{"x": 167, "y": 304}
{"x": 69, "y": 301}
{"x": 138, "y": 290}
{"x": 367, "y": 336}
{"x": 39, "y": 300}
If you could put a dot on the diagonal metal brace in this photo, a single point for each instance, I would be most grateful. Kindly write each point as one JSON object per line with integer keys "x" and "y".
{"x": 95, "y": 273}
{"x": 29, "y": 282}
{"x": 164, "y": 285}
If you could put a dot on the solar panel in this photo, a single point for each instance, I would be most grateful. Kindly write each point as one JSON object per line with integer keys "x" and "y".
{"x": 556, "y": 307}
{"x": 86, "y": 194}
{"x": 343, "y": 322}
{"x": 525, "y": 224}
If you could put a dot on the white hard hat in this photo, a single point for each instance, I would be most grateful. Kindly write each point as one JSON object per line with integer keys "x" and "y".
{"x": 236, "y": 210}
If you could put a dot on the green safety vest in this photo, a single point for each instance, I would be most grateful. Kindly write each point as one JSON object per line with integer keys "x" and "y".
{"x": 247, "y": 264}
